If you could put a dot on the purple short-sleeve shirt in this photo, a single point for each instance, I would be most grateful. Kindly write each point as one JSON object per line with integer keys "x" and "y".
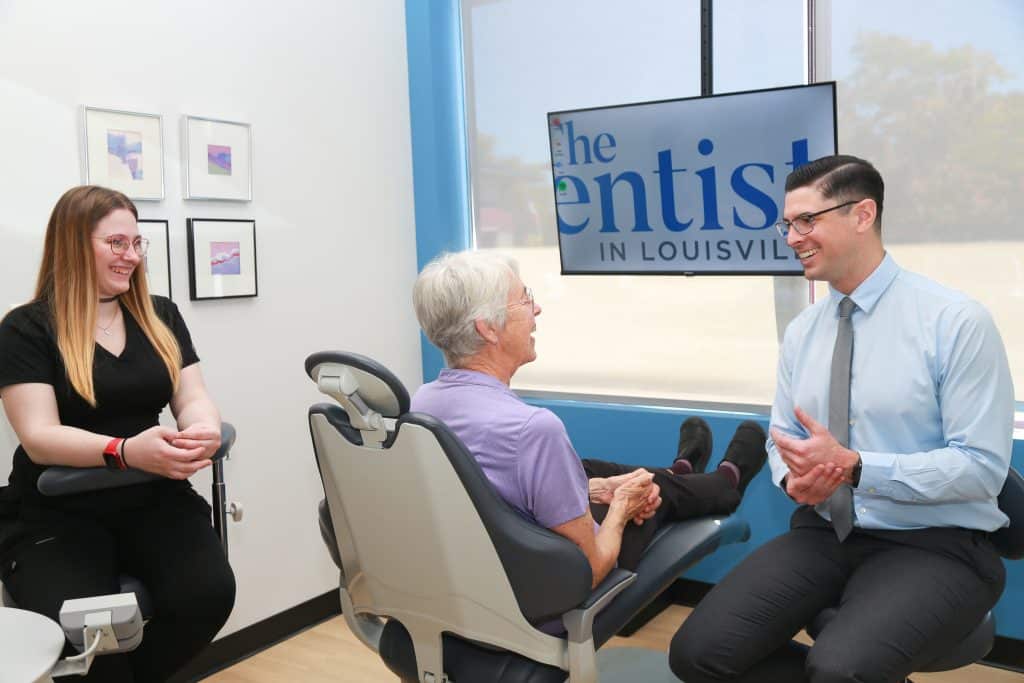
{"x": 524, "y": 451}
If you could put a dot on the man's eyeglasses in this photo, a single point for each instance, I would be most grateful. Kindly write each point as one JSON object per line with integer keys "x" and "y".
{"x": 119, "y": 244}
{"x": 527, "y": 299}
{"x": 804, "y": 223}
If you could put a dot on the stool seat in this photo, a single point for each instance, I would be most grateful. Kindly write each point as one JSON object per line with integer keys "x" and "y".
{"x": 972, "y": 648}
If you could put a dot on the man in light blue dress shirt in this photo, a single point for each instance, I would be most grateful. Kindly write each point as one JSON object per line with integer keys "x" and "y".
{"x": 930, "y": 422}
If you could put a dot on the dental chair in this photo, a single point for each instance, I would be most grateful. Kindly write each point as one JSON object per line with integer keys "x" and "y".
{"x": 114, "y": 623}
{"x": 1009, "y": 543}
{"x": 441, "y": 577}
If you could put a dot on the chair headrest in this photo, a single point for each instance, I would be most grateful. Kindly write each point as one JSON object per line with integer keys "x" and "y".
{"x": 378, "y": 387}
{"x": 1009, "y": 541}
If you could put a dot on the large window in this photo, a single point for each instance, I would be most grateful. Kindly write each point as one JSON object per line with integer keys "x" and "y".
{"x": 934, "y": 97}
{"x": 709, "y": 338}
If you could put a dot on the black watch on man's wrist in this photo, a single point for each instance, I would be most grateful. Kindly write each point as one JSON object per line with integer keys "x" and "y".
{"x": 855, "y": 473}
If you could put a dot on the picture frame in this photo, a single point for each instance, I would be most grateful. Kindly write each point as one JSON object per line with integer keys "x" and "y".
{"x": 158, "y": 258}
{"x": 124, "y": 151}
{"x": 217, "y": 159}
{"x": 221, "y": 258}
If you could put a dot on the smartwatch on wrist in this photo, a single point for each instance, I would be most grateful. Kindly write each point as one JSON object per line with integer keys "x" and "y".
{"x": 855, "y": 473}
{"x": 112, "y": 455}
{"x": 783, "y": 484}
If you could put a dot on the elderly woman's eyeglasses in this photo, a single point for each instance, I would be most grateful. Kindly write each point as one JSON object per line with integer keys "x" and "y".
{"x": 804, "y": 223}
{"x": 119, "y": 244}
{"x": 527, "y": 299}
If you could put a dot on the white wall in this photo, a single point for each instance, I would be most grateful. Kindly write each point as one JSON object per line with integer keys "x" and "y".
{"x": 324, "y": 85}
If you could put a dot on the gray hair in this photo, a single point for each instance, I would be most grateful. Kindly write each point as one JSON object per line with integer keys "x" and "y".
{"x": 455, "y": 290}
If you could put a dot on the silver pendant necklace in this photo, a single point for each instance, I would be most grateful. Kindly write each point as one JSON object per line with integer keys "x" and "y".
{"x": 106, "y": 330}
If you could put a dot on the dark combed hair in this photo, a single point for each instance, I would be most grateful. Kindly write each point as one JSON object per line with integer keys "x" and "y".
{"x": 843, "y": 177}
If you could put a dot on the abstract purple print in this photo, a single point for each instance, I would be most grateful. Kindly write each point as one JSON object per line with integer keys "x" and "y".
{"x": 124, "y": 153}
{"x": 225, "y": 258}
{"x": 218, "y": 159}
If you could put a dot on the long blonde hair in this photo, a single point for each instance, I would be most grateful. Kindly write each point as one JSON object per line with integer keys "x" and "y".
{"x": 67, "y": 282}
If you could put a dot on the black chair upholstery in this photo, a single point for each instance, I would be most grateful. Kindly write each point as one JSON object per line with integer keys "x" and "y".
{"x": 1009, "y": 542}
{"x": 527, "y": 551}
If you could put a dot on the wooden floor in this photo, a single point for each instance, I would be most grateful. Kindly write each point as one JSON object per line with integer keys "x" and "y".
{"x": 330, "y": 653}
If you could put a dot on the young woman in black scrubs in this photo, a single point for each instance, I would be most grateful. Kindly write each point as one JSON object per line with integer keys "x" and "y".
{"x": 85, "y": 370}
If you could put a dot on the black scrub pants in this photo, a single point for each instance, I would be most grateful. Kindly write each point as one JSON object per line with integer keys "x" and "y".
{"x": 904, "y": 598}
{"x": 169, "y": 545}
{"x": 683, "y": 496}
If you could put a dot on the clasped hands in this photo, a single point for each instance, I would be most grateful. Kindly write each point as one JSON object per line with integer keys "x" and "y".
{"x": 817, "y": 465}
{"x": 172, "y": 453}
{"x": 635, "y": 492}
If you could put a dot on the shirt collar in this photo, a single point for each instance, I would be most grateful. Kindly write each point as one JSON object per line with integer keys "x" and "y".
{"x": 871, "y": 290}
{"x": 463, "y": 376}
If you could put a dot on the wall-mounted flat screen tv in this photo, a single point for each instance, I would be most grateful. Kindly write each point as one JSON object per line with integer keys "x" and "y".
{"x": 691, "y": 186}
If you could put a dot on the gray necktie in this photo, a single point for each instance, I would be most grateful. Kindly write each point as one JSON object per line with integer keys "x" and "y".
{"x": 840, "y": 504}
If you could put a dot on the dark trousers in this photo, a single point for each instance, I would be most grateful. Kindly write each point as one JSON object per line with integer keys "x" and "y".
{"x": 682, "y": 497}
{"x": 904, "y": 597}
{"x": 170, "y": 546}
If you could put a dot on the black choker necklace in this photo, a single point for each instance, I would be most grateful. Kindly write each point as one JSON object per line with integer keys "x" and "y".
{"x": 107, "y": 299}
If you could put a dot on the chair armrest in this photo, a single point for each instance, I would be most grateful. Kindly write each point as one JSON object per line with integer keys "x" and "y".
{"x": 62, "y": 481}
{"x": 580, "y": 621}
{"x": 676, "y": 547}
{"x": 227, "y": 440}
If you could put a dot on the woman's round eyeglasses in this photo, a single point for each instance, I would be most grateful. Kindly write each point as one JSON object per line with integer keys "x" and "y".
{"x": 119, "y": 244}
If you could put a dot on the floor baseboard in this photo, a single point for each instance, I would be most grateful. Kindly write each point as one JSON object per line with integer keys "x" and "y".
{"x": 254, "y": 638}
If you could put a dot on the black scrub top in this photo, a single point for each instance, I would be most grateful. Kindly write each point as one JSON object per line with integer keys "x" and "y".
{"x": 131, "y": 391}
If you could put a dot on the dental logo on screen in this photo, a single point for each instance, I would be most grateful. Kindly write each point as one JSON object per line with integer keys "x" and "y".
{"x": 691, "y": 186}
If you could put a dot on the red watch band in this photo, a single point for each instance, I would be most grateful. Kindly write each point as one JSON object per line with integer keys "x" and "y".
{"x": 112, "y": 455}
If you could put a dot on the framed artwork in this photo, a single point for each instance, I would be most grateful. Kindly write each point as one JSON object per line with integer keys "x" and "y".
{"x": 124, "y": 151}
{"x": 218, "y": 159}
{"x": 158, "y": 258}
{"x": 221, "y": 258}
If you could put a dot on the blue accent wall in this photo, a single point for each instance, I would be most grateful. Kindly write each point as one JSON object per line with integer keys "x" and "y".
{"x": 640, "y": 435}
{"x": 437, "y": 116}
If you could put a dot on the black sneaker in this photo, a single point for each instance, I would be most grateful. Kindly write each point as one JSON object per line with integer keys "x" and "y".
{"x": 694, "y": 445}
{"x": 747, "y": 451}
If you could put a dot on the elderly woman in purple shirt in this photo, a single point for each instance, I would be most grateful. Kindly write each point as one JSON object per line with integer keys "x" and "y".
{"x": 476, "y": 309}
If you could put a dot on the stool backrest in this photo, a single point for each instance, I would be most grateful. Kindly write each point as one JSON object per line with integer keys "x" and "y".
{"x": 1009, "y": 541}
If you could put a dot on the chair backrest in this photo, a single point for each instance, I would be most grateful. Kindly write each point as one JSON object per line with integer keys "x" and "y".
{"x": 1009, "y": 541}
{"x": 424, "y": 538}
